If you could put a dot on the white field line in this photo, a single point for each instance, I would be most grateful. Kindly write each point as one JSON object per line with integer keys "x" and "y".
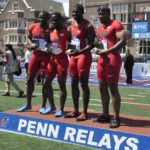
{"x": 128, "y": 98}
{"x": 140, "y": 104}
{"x": 98, "y": 100}
{"x": 132, "y": 103}
{"x": 144, "y": 93}
{"x": 129, "y": 103}
{"x": 136, "y": 95}
{"x": 94, "y": 104}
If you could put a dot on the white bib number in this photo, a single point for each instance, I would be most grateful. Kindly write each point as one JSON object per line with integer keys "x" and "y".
{"x": 76, "y": 41}
{"x": 104, "y": 42}
{"x": 42, "y": 44}
{"x": 55, "y": 49}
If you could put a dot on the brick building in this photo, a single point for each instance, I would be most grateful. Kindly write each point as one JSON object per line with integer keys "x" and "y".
{"x": 17, "y": 15}
{"x": 124, "y": 10}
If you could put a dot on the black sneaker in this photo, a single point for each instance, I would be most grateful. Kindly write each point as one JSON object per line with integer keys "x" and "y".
{"x": 21, "y": 93}
{"x": 102, "y": 119}
{"x": 114, "y": 123}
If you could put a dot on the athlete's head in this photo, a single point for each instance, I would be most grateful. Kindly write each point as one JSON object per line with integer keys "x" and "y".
{"x": 78, "y": 11}
{"x": 104, "y": 14}
{"x": 43, "y": 18}
{"x": 56, "y": 19}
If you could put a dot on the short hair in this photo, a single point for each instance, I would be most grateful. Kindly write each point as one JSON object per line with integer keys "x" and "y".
{"x": 79, "y": 7}
{"x": 58, "y": 14}
{"x": 103, "y": 8}
{"x": 45, "y": 13}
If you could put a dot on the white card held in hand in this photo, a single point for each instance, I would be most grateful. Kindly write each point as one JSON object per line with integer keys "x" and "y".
{"x": 55, "y": 49}
{"x": 76, "y": 41}
{"x": 42, "y": 43}
{"x": 104, "y": 44}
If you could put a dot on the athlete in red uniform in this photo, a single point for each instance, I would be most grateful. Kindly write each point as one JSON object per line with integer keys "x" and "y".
{"x": 82, "y": 41}
{"x": 58, "y": 64}
{"x": 38, "y": 37}
{"x": 112, "y": 36}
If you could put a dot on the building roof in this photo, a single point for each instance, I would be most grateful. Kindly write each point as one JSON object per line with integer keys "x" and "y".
{"x": 40, "y": 5}
{"x": 48, "y": 5}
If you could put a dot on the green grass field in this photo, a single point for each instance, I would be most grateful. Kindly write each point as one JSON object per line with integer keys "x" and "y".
{"x": 134, "y": 102}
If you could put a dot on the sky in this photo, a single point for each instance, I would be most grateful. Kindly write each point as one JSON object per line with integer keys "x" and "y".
{"x": 63, "y": 1}
{"x": 66, "y": 6}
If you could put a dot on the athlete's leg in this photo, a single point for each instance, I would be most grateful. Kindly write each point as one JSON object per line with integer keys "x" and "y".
{"x": 63, "y": 92}
{"x": 74, "y": 83}
{"x": 103, "y": 89}
{"x": 30, "y": 87}
{"x": 84, "y": 63}
{"x": 44, "y": 60}
{"x": 33, "y": 68}
{"x": 47, "y": 91}
{"x": 75, "y": 92}
{"x": 85, "y": 92}
{"x": 74, "y": 87}
{"x": 112, "y": 78}
{"x": 113, "y": 71}
{"x": 116, "y": 99}
{"x": 62, "y": 68}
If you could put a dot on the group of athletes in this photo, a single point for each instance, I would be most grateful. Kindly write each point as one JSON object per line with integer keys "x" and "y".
{"x": 59, "y": 48}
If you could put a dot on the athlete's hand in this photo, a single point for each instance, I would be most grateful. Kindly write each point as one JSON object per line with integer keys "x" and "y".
{"x": 97, "y": 51}
{"x": 103, "y": 53}
{"x": 74, "y": 53}
{"x": 33, "y": 46}
{"x": 69, "y": 51}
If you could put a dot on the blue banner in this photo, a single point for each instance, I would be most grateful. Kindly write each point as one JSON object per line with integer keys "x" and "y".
{"x": 139, "y": 27}
{"x": 72, "y": 133}
{"x": 141, "y": 35}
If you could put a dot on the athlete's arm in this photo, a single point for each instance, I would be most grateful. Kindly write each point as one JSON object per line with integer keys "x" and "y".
{"x": 30, "y": 42}
{"x": 90, "y": 36}
{"x": 29, "y": 35}
{"x": 121, "y": 36}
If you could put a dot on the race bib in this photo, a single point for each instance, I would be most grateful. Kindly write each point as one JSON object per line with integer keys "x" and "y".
{"x": 76, "y": 41}
{"x": 55, "y": 49}
{"x": 42, "y": 43}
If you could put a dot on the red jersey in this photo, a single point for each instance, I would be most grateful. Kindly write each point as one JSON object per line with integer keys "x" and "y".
{"x": 80, "y": 64}
{"x": 58, "y": 41}
{"x": 39, "y": 59}
{"x": 79, "y": 32}
{"x": 108, "y": 67}
{"x": 108, "y": 33}
{"x": 39, "y": 34}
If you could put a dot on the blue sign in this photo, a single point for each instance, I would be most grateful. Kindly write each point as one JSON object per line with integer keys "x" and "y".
{"x": 73, "y": 133}
{"x": 139, "y": 27}
{"x": 141, "y": 35}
